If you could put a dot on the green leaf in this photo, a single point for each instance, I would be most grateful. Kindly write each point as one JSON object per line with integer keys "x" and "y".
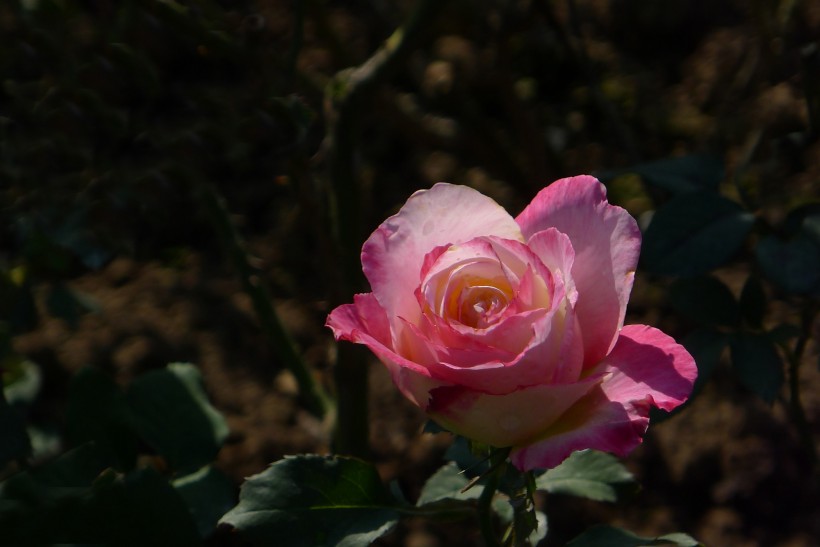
{"x": 757, "y": 362}
{"x": 446, "y": 483}
{"x": 694, "y": 233}
{"x": 25, "y": 383}
{"x": 691, "y": 173}
{"x": 209, "y": 494}
{"x": 140, "y": 508}
{"x": 793, "y": 265}
{"x": 753, "y": 302}
{"x": 587, "y": 474}
{"x": 76, "y": 498}
{"x": 314, "y": 501}
{"x": 172, "y": 412}
{"x": 97, "y": 411}
{"x": 705, "y": 300}
{"x": 609, "y": 536}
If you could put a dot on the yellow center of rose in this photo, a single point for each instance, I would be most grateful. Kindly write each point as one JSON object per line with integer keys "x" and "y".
{"x": 475, "y": 301}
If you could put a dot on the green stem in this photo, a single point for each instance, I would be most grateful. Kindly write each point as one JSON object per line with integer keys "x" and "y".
{"x": 485, "y": 501}
{"x": 314, "y": 397}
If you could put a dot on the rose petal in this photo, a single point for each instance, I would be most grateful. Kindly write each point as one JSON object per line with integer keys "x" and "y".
{"x": 593, "y": 422}
{"x": 646, "y": 364}
{"x": 393, "y": 256}
{"x": 364, "y": 322}
{"x": 646, "y": 368}
{"x": 553, "y": 356}
{"x": 503, "y": 420}
{"x": 606, "y": 240}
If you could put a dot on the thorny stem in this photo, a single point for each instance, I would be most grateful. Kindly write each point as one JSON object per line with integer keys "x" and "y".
{"x": 485, "y": 512}
{"x": 280, "y": 341}
{"x": 352, "y": 91}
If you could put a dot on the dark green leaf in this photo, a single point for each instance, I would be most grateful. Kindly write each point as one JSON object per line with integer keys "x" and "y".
{"x": 97, "y": 411}
{"x": 753, "y": 302}
{"x": 314, "y": 501}
{"x": 706, "y": 301}
{"x": 692, "y": 173}
{"x": 209, "y": 494}
{"x": 172, "y": 413}
{"x": 76, "y": 499}
{"x": 446, "y": 483}
{"x": 141, "y": 508}
{"x": 793, "y": 265}
{"x": 694, "y": 233}
{"x": 757, "y": 362}
{"x": 587, "y": 474}
{"x": 609, "y": 536}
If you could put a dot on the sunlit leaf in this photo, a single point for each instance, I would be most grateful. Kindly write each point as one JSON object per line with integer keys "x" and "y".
{"x": 758, "y": 364}
{"x": 694, "y": 233}
{"x": 311, "y": 501}
{"x": 609, "y": 536}
{"x": 587, "y": 474}
{"x": 171, "y": 411}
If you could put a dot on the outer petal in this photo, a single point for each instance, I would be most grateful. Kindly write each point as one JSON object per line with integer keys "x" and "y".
{"x": 504, "y": 420}
{"x": 606, "y": 240}
{"x": 364, "y": 322}
{"x": 647, "y": 365}
{"x": 393, "y": 256}
{"x": 646, "y": 368}
{"x": 594, "y": 422}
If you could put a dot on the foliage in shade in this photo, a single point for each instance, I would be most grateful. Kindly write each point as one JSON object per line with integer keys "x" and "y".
{"x": 314, "y": 501}
{"x": 609, "y": 536}
{"x": 98, "y": 411}
{"x": 757, "y": 362}
{"x": 706, "y": 345}
{"x": 15, "y": 442}
{"x": 587, "y": 474}
{"x": 705, "y": 300}
{"x": 753, "y": 302}
{"x": 78, "y": 498}
{"x": 694, "y": 233}
{"x": 793, "y": 264}
{"x": 168, "y": 401}
{"x": 693, "y": 173}
{"x": 446, "y": 484}
{"x": 209, "y": 494}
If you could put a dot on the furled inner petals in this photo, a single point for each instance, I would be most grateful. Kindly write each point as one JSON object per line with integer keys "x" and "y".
{"x": 480, "y": 305}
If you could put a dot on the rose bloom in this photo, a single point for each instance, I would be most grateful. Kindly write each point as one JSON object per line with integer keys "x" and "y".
{"x": 509, "y": 331}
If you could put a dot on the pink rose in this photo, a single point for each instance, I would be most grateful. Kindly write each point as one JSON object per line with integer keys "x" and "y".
{"x": 510, "y": 331}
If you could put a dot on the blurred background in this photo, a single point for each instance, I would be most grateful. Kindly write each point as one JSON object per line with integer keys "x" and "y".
{"x": 161, "y": 161}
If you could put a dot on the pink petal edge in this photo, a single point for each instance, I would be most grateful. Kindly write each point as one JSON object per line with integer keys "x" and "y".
{"x": 606, "y": 241}
{"x": 645, "y": 368}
